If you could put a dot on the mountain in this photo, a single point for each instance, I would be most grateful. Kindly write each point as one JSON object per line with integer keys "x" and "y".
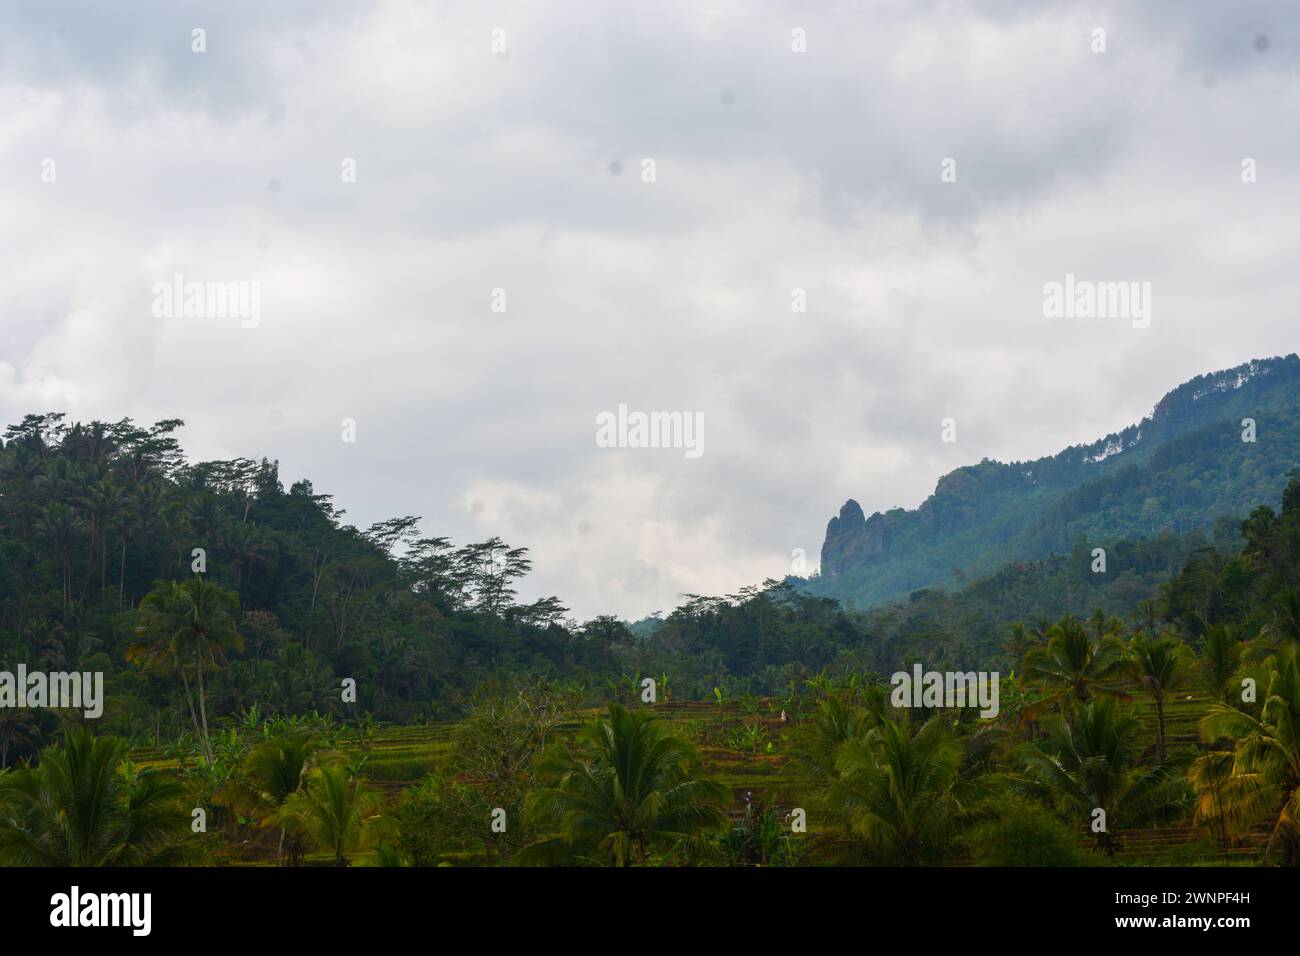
{"x": 1181, "y": 469}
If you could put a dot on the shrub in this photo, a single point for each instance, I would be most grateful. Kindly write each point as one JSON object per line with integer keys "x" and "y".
{"x": 1025, "y": 834}
{"x": 442, "y": 820}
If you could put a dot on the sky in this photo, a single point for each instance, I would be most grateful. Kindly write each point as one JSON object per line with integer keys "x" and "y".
{"x": 459, "y": 247}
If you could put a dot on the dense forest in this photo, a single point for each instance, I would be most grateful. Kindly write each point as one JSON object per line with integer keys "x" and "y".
{"x": 328, "y": 694}
{"x": 97, "y": 522}
{"x": 97, "y": 518}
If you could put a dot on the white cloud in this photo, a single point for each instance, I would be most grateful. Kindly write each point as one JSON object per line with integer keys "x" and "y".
{"x": 775, "y": 171}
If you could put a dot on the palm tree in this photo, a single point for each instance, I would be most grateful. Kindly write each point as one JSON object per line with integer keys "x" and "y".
{"x": 900, "y": 793}
{"x": 1285, "y": 624}
{"x": 273, "y": 771}
{"x": 176, "y": 528}
{"x": 252, "y": 545}
{"x": 1075, "y": 666}
{"x": 1092, "y": 764}
{"x": 630, "y": 786}
{"x": 814, "y": 743}
{"x": 1019, "y": 642}
{"x": 1159, "y": 664}
{"x": 1259, "y": 777}
{"x": 84, "y": 805}
{"x": 148, "y": 503}
{"x": 1220, "y": 658}
{"x": 187, "y": 628}
{"x": 208, "y": 519}
{"x": 19, "y": 470}
{"x": 334, "y": 811}
{"x": 61, "y": 526}
{"x": 105, "y": 502}
{"x": 125, "y": 524}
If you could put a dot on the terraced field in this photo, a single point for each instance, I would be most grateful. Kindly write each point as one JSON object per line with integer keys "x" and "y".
{"x": 742, "y": 749}
{"x": 400, "y": 757}
{"x": 1183, "y": 712}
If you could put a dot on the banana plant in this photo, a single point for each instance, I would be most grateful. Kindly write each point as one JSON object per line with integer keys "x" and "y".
{"x": 251, "y": 719}
{"x": 366, "y": 730}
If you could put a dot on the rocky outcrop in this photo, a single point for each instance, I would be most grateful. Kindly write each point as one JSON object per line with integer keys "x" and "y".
{"x": 852, "y": 539}
{"x": 1180, "y": 468}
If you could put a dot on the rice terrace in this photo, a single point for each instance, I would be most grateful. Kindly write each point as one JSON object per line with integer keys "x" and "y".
{"x": 735, "y": 751}
{"x": 741, "y": 746}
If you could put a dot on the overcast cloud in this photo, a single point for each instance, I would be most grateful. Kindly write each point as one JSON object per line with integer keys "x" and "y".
{"x": 775, "y": 170}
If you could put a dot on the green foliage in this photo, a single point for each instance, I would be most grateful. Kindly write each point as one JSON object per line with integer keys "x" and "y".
{"x": 386, "y": 855}
{"x": 505, "y": 728}
{"x": 1091, "y": 763}
{"x": 443, "y": 821}
{"x": 273, "y": 771}
{"x": 84, "y": 805}
{"x": 630, "y": 788}
{"x": 1075, "y": 666}
{"x": 1160, "y": 666}
{"x": 1024, "y": 834}
{"x": 760, "y": 838}
{"x": 335, "y": 812}
{"x": 185, "y": 630}
{"x": 98, "y": 522}
{"x": 1256, "y": 779}
{"x": 899, "y": 791}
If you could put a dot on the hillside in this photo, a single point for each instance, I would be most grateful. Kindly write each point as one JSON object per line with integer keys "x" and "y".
{"x": 228, "y": 687}
{"x": 1181, "y": 469}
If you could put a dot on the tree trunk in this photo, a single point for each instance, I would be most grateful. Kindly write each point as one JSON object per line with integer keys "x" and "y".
{"x": 189, "y": 699}
{"x": 1160, "y": 726}
{"x": 85, "y": 580}
{"x": 203, "y": 710}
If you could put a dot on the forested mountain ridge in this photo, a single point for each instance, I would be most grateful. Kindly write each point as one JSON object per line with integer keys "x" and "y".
{"x": 96, "y": 517}
{"x": 119, "y": 556}
{"x": 1181, "y": 469}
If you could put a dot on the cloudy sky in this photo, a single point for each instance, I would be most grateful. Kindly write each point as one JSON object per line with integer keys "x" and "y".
{"x": 521, "y": 170}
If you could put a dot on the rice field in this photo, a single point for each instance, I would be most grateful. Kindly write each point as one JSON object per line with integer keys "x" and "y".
{"x": 742, "y": 748}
